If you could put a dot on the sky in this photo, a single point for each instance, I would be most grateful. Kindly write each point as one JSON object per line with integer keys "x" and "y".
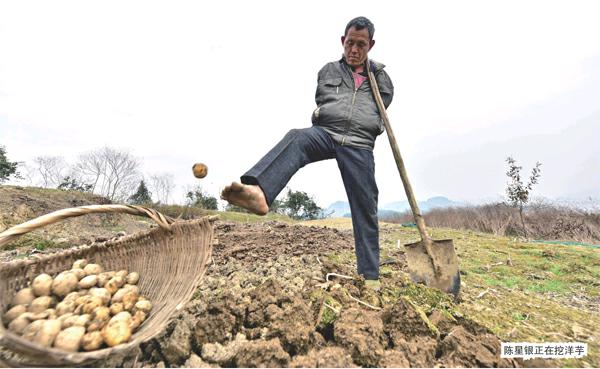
{"x": 180, "y": 82}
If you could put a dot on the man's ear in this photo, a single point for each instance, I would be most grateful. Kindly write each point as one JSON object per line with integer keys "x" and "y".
{"x": 371, "y": 44}
{"x": 343, "y": 39}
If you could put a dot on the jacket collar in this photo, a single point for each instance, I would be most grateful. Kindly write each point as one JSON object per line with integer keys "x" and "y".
{"x": 375, "y": 66}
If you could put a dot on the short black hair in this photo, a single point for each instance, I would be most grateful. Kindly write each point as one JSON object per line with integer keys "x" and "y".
{"x": 360, "y": 23}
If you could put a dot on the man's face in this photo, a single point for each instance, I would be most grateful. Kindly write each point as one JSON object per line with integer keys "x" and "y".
{"x": 356, "y": 46}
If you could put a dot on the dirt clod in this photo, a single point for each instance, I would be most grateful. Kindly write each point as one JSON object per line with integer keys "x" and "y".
{"x": 260, "y": 354}
{"x": 196, "y": 361}
{"x": 176, "y": 347}
{"x": 361, "y": 332}
{"x": 328, "y": 357}
{"x": 394, "y": 359}
{"x": 219, "y": 321}
{"x": 461, "y": 348}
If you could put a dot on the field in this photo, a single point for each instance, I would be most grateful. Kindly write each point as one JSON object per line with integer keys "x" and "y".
{"x": 284, "y": 293}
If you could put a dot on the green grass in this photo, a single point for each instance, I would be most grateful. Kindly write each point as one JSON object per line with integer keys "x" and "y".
{"x": 32, "y": 240}
{"x": 187, "y": 212}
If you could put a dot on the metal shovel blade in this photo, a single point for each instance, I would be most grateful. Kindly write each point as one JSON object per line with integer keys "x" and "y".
{"x": 421, "y": 268}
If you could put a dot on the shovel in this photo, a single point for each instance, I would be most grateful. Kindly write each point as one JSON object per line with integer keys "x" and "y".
{"x": 432, "y": 262}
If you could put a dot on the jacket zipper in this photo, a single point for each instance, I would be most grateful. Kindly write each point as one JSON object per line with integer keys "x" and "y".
{"x": 350, "y": 115}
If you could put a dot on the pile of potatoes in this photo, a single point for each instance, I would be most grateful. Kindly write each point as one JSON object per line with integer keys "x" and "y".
{"x": 82, "y": 309}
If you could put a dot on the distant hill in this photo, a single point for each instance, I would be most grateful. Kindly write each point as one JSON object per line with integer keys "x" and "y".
{"x": 432, "y": 203}
{"x": 338, "y": 209}
{"x": 342, "y": 208}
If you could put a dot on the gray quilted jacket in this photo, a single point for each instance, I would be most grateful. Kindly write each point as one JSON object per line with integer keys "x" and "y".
{"x": 350, "y": 116}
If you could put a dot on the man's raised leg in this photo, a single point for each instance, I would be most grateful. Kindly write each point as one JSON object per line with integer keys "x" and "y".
{"x": 263, "y": 182}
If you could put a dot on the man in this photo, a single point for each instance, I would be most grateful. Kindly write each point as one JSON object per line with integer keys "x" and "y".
{"x": 345, "y": 125}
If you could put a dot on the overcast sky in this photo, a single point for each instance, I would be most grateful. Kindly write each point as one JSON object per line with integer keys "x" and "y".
{"x": 179, "y": 82}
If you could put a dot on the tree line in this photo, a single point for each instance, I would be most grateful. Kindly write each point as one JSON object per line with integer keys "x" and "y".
{"x": 116, "y": 174}
{"x": 106, "y": 171}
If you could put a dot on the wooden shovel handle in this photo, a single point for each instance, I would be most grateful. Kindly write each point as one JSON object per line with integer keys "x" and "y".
{"x": 18, "y": 230}
{"x": 399, "y": 162}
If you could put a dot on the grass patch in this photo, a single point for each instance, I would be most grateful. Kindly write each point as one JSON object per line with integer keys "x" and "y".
{"x": 549, "y": 286}
{"x": 31, "y": 241}
{"x": 193, "y": 212}
{"x": 557, "y": 270}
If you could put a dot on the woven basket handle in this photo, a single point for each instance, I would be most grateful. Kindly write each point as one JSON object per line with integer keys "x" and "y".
{"x": 18, "y": 230}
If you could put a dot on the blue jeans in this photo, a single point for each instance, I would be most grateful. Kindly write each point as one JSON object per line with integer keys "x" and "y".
{"x": 357, "y": 167}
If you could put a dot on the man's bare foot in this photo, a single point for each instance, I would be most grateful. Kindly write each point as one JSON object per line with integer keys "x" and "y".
{"x": 249, "y": 197}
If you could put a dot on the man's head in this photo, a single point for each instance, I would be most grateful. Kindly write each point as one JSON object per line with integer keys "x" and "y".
{"x": 358, "y": 40}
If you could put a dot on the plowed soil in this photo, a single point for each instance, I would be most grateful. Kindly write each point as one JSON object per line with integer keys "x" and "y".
{"x": 267, "y": 301}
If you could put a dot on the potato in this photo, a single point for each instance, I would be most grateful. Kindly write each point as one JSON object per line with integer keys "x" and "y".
{"x": 42, "y": 285}
{"x": 132, "y": 287}
{"x": 116, "y": 332}
{"x": 132, "y": 278}
{"x": 23, "y": 297}
{"x": 137, "y": 320}
{"x": 103, "y": 278}
{"x": 95, "y": 326}
{"x": 101, "y": 313}
{"x": 83, "y": 320}
{"x": 70, "y": 339}
{"x": 116, "y": 308}
{"x": 92, "y": 341}
{"x": 101, "y": 293}
{"x": 51, "y": 313}
{"x": 80, "y": 264}
{"x": 32, "y": 329}
{"x": 143, "y": 305}
{"x": 80, "y": 273}
{"x": 122, "y": 273}
{"x": 88, "y": 282}
{"x": 125, "y": 315}
{"x": 63, "y": 319}
{"x": 82, "y": 300}
{"x": 13, "y": 313}
{"x": 19, "y": 324}
{"x": 129, "y": 300}
{"x": 75, "y": 320}
{"x": 64, "y": 283}
{"x": 38, "y": 316}
{"x": 47, "y": 333}
{"x": 92, "y": 269}
{"x": 69, "y": 321}
{"x": 71, "y": 296}
{"x": 120, "y": 280}
{"x": 114, "y": 284}
{"x": 92, "y": 303}
{"x": 41, "y": 303}
{"x": 65, "y": 307}
{"x": 118, "y": 296}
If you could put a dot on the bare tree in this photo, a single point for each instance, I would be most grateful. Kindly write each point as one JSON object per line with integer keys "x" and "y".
{"x": 121, "y": 174}
{"x": 28, "y": 174}
{"x": 162, "y": 186}
{"x": 112, "y": 173}
{"x": 51, "y": 169}
{"x": 91, "y": 167}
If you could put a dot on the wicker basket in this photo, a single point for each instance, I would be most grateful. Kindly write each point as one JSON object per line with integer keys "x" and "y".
{"x": 170, "y": 259}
